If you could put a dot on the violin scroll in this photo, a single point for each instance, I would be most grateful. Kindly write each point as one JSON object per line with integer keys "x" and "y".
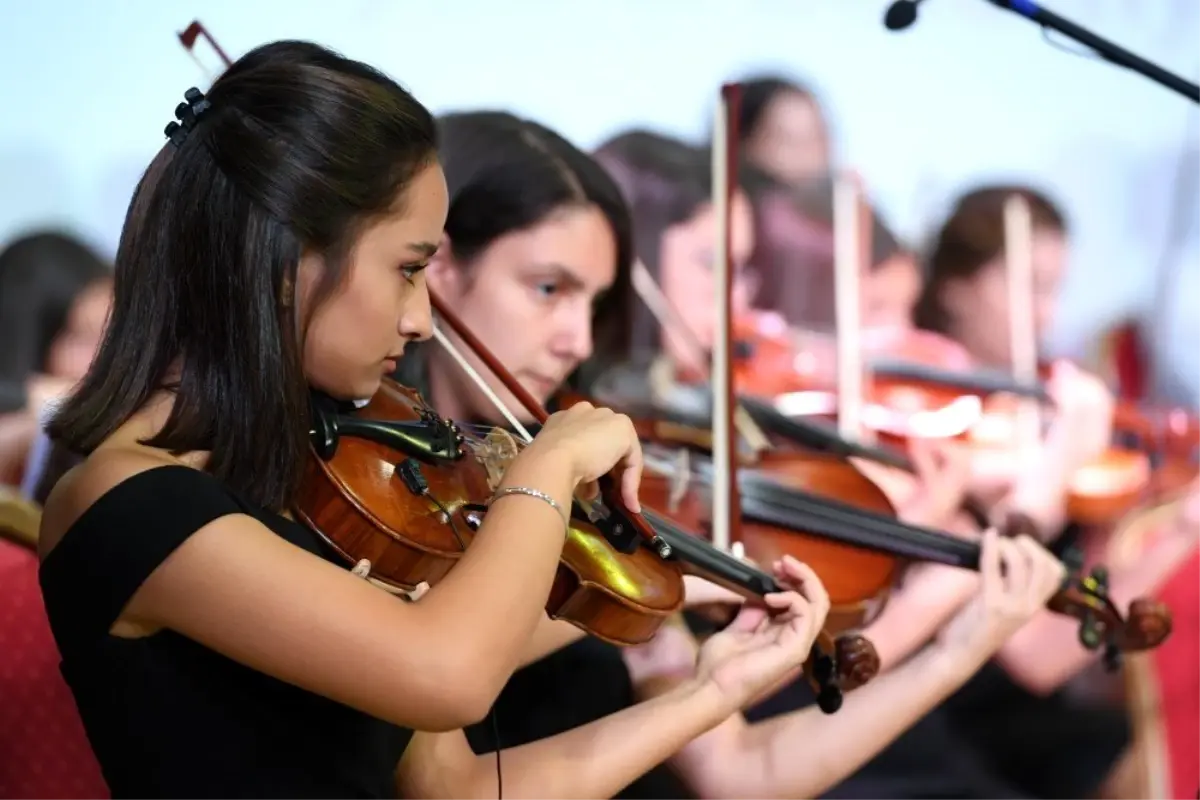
{"x": 857, "y": 661}
{"x": 1147, "y": 625}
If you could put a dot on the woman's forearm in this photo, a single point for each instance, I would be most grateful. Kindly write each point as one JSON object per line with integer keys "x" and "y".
{"x": 603, "y": 757}
{"x": 494, "y": 598}
{"x": 804, "y": 753}
{"x": 931, "y": 594}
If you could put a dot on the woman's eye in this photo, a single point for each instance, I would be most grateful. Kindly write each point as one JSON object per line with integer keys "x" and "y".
{"x": 546, "y": 288}
{"x": 410, "y": 271}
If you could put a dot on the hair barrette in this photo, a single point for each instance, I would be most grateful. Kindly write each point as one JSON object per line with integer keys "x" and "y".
{"x": 188, "y": 113}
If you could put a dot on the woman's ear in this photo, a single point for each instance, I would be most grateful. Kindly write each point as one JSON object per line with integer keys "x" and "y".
{"x": 444, "y": 274}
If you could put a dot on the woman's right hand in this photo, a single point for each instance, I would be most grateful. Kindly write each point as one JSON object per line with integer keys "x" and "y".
{"x": 1018, "y": 577}
{"x": 593, "y": 441}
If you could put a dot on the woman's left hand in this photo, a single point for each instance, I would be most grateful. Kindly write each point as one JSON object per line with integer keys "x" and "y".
{"x": 766, "y": 642}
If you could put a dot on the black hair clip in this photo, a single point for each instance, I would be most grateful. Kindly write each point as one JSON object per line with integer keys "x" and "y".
{"x": 188, "y": 114}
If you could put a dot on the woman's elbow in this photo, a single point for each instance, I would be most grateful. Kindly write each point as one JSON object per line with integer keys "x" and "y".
{"x": 458, "y": 692}
{"x": 448, "y": 708}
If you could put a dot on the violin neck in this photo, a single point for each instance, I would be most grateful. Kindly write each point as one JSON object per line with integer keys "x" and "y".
{"x": 706, "y": 561}
{"x": 852, "y": 526}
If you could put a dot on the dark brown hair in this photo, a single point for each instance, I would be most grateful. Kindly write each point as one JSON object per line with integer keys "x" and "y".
{"x": 665, "y": 182}
{"x": 758, "y": 92}
{"x": 298, "y": 151}
{"x": 969, "y": 239}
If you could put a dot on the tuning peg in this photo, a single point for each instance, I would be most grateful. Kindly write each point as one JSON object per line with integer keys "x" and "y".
{"x": 1072, "y": 558}
{"x": 1091, "y": 632}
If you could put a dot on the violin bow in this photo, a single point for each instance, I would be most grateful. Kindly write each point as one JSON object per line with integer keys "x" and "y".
{"x": 851, "y": 248}
{"x": 821, "y": 667}
{"x": 726, "y": 500}
{"x": 1022, "y": 336}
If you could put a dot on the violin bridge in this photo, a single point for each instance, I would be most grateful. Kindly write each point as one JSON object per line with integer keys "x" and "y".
{"x": 681, "y": 478}
{"x": 498, "y": 450}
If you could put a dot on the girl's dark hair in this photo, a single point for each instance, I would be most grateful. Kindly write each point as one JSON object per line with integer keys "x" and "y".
{"x": 971, "y": 237}
{"x": 298, "y": 151}
{"x": 666, "y": 182}
{"x": 41, "y": 275}
{"x": 507, "y": 174}
{"x": 799, "y": 283}
{"x": 757, "y": 93}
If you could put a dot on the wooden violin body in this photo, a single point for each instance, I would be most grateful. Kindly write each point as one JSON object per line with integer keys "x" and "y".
{"x": 857, "y": 579}
{"x": 822, "y": 510}
{"x": 797, "y": 371}
{"x": 407, "y": 498}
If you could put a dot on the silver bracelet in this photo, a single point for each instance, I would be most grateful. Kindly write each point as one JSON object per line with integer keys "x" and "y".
{"x": 540, "y": 495}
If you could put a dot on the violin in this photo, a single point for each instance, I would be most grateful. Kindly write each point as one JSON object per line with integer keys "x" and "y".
{"x": 819, "y": 508}
{"x": 796, "y": 370}
{"x": 400, "y": 492}
{"x": 1158, "y": 455}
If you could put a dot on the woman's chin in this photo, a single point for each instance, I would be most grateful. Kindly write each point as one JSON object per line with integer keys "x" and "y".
{"x": 349, "y": 391}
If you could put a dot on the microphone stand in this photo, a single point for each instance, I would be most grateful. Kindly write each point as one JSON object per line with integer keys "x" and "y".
{"x": 1104, "y": 48}
{"x": 1123, "y": 58}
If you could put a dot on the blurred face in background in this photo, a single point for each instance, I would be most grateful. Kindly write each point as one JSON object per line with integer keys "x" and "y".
{"x": 75, "y": 345}
{"x": 890, "y": 291}
{"x": 531, "y": 297}
{"x": 687, "y": 254}
{"x": 790, "y": 142}
{"x": 978, "y": 306}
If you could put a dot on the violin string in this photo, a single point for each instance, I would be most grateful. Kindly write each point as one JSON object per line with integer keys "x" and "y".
{"x": 801, "y": 509}
{"x": 480, "y": 382}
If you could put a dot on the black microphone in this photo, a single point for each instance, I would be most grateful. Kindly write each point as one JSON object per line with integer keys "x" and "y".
{"x": 901, "y": 14}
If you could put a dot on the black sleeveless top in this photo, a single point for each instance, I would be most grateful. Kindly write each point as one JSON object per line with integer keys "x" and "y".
{"x": 580, "y": 683}
{"x": 168, "y": 717}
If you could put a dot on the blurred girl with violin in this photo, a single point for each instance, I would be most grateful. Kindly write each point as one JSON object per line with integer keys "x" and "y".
{"x": 930, "y": 594}
{"x": 965, "y": 297}
{"x": 782, "y": 128}
{"x": 276, "y": 248}
{"x": 54, "y": 297}
{"x": 538, "y": 223}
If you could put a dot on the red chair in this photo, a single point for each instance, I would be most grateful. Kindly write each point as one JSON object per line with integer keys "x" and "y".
{"x": 44, "y": 752}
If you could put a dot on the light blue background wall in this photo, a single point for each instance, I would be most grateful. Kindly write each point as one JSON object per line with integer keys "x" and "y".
{"x": 970, "y": 93}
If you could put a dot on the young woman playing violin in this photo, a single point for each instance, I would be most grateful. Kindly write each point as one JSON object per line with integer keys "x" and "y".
{"x": 535, "y": 222}
{"x": 965, "y": 296}
{"x": 276, "y": 246}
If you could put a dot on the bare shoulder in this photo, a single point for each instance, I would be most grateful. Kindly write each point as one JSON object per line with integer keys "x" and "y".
{"x": 80, "y": 488}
